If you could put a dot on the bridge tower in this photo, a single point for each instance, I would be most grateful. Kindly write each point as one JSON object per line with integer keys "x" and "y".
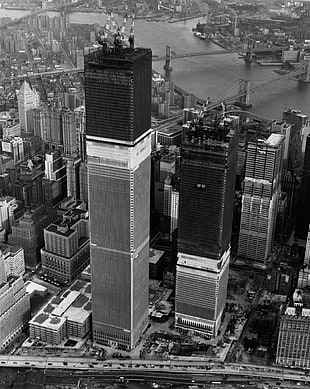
{"x": 244, "y": 92}
{"x": 168, "y": 66}
{"x": 306, "y": 76}
{"x": 249, "y": 50}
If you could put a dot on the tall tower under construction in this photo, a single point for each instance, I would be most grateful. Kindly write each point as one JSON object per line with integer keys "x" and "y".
{"x": 207, "y": 187}
{"x": 118, "y": 121}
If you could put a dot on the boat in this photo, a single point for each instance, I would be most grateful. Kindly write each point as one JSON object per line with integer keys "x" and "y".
{"x": 203, "y": 36}
{"x": 197, "y": 34}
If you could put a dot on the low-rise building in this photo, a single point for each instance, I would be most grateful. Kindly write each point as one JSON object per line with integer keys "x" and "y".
{"x": 67, "y": 315}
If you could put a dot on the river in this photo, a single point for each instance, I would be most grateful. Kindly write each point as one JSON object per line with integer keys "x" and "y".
{"x": 205, "y": 76}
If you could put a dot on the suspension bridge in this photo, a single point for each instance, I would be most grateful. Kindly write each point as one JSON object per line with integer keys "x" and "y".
{"x": 245, "y": 52}
{"x": 240, "y": 93}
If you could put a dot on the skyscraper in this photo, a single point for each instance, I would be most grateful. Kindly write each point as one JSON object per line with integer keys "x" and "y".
{"x": 14, "y": 305}
{"x": 28, "y": 99}
{"x": 207, "y": 187}
{"x": 260, "y": 198}
{"x": 303, "y": 206}
{"x": 118, "y": 120}
{"x": 294, "y": 334}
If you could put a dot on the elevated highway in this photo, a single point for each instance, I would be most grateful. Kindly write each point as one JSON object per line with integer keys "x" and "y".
{"x": 197, "y": 366}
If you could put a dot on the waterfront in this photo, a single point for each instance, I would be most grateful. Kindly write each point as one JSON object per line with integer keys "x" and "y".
{"x": 205, "y": 76}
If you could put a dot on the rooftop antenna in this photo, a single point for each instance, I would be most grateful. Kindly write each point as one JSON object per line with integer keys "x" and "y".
{"x": 102, "y": 39}
{"x": 118, "y": 40}
{"x": 131, "y": 38}
{"x": 124, "y": 24}
{"x": 114, "y": 24}
{"x": 107, "y": 25}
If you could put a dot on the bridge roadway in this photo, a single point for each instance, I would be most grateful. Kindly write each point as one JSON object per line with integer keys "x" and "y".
{"x": 189, "y": 365}
{"x": 154, "y": 59}
{"x": 242, "y": 51}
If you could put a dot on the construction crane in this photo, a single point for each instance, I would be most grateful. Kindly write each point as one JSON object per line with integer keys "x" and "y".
{"x": 164, "y": 7}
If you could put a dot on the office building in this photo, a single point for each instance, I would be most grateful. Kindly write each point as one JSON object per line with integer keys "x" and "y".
{"x": 41, "y": 123}
{"x": 66, "y": 251}
{"x": 14, "y": 261}
{"x": 118, "y": 120}
{"x": 8, "y": 205}
{"x": 284, "y": 129}
{"x": 70, "y": 152}
{"x": 294, "y": 335}
{"x": 28, "y": 186}
{"x": 260, "y": 198}
{"x": 14, "y": 306}
{"x": 303, "y": 206}
{"x": 207, "y": 188}
{"x": 297, "y": 120}
{"x": 27, "y": 99}
{"x": 304, "y": 272}
{"x": 27, "y": 232}
{"x": 171, "y": 202}
{"x": 13, "y": 147}
{"x": 55, "y": 181}
{"x": 80, "y": 118}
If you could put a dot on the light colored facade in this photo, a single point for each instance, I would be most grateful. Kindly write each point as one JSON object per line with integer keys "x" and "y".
{"x": 118, "y": 134}
{"x": 14, "y": 146}
{"x": 201, "y": 283}
{"x": 27, "y": 100}
{"x": 128, "y": 168}
{"x": 67, "y": 315}
{"x": 14, "y": 260}
{"x": 14, "y": 306}
{"x": 174, "y": 213}
{"x": 293, "y": 348}
{"x": 7, "y": 206}
{"x": 260, "y": 198}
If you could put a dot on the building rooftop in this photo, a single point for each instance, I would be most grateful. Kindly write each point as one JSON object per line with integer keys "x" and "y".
{"x": 171, "y": 131}
{"x": 274, "y": 140}
{"x": 33, "y": 287}
{"x": 293, "y": 311}
{"x": 209, "y": 130}
{"x": 111, "y": 55}
{"x": 62, "y": 229}
{"x": 155, "y": 256}
{"x": 9, "y": 249}
{"x": 50, "y": 322}
{"x": 65, "y": 303}
{"x": 74, "y": 304}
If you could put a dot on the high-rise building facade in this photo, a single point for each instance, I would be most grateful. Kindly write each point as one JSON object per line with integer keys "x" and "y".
{"x": 28, "y": 99}
{"x": 303, "y": 206}
{"x": 260, "y": 198}
{"x": 14, "y": 305}
{"x": 294, "y": 335}
{"x": 207, "y": 187}
{"x": 66, "y": 251}
{"x": 118, "y": 120}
